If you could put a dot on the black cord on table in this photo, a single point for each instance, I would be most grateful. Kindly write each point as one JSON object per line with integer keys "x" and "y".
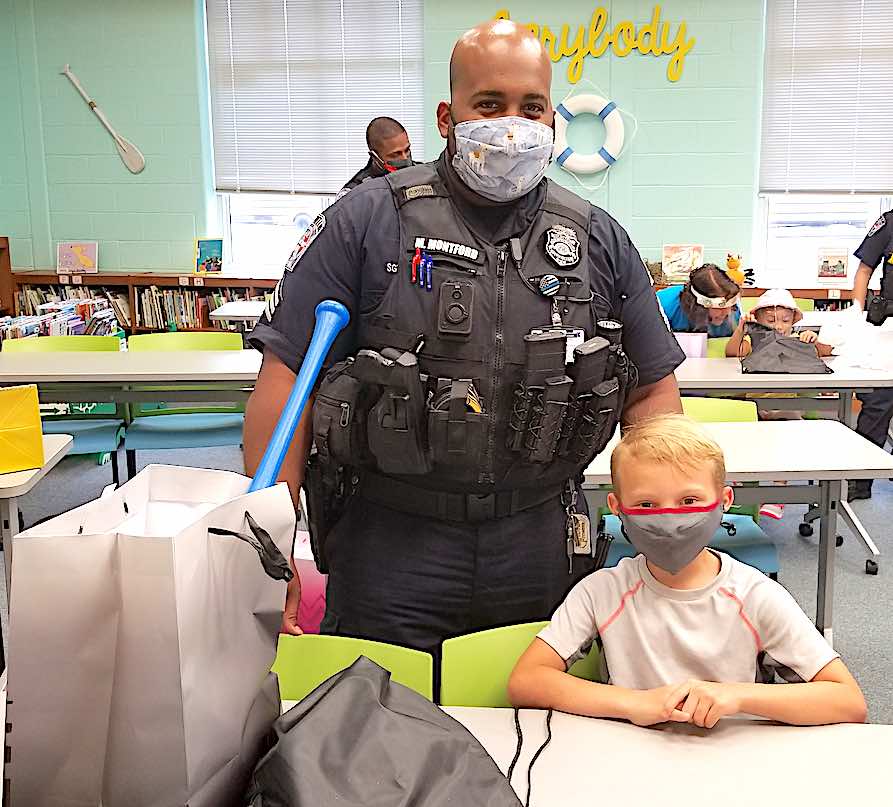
{"x": 519, "y": 732}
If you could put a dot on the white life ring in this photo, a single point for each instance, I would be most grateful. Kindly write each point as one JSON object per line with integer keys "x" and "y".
{"x": 599, "y": 160}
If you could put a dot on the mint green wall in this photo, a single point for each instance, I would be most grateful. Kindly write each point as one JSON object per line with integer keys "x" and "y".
{"x": 60, "y": 175}
{"x": 689, "y": 174}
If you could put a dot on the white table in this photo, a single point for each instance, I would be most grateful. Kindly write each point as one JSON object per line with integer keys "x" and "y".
{"x": 724, "y": 375}
{"x": 200, "y": 375}
{"x": 823, "y": 451}
{"x": 13, "y": 485}
{"x": 240, "y": 311}
{"x": 736, "y": 763}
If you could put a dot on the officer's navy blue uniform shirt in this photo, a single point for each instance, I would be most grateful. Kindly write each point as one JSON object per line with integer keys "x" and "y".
{"x": 878, "y": 242}
{"x": 352, "y": 253}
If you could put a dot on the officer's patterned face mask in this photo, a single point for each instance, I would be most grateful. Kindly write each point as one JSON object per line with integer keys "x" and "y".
{"x": 502, "y": 158}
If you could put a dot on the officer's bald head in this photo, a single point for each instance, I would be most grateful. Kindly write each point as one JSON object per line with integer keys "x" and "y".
{"x": 498, "y": 68}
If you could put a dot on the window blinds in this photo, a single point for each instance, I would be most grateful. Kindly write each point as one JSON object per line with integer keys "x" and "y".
{"x": 828, "y": 97}
{"x": 295, "y": 82}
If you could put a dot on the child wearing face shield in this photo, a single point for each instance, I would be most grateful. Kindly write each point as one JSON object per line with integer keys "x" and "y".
{"x": 708, "y": 303}
{"x": 682, "y": 626}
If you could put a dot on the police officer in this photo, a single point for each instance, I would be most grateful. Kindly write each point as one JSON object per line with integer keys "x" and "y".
{"x": 454, "y": 263}
{"x": 877, "y": 406}
{"x": 389, "y": 150}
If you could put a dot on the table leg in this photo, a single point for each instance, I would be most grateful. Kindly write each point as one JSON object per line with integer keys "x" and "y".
{"x": 829, "y": 496}
{"x": 845, "y": 407}
{"x": 9, "y": 526}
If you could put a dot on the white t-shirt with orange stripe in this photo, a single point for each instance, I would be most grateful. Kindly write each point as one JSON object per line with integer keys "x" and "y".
{"x": 654, "y": 635}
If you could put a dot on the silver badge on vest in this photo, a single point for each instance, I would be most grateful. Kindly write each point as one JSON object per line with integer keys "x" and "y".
{"x": 562, "y": 246}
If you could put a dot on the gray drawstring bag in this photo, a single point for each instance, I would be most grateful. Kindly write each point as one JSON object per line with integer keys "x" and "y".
{"x": 359, "y": 739}
{"x": 773, "y": 353}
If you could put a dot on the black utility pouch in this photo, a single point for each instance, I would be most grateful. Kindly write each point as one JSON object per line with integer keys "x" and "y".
{"x": 327, "y": 493}
{"x": 456, "y": 435}
{"x": 339, "y": 420}
{"x": 597, "y": 421}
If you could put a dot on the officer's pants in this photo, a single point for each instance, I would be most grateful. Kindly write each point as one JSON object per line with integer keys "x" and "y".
{"x": 874, "y": 419}
{"x": 415, "y": 581}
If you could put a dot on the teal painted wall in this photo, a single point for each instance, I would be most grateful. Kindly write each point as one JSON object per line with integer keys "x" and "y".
{"x": 689, "y": 174}
{"x": 60, "y": 175}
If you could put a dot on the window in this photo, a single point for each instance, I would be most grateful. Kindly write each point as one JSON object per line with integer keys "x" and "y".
{"x": 827, "y": 100}
{"x": 261, "y": 229}
{"x": 796, "y": 228}
{"x": 295, "y": 82}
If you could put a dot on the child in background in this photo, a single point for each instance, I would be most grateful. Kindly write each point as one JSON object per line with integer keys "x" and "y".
{"x": 775, "y": 309}
{"x": 708, "y": 303}
{"x": 778, "y": 310}
{"x": 681, "y": 625}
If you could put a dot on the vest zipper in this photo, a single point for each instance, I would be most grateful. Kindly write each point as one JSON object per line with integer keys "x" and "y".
{"x": 487, "y": 477}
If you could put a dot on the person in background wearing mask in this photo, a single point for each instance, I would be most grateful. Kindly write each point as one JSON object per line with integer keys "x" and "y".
{"x": 451, "y": 264}
{"x": 877, "y": 406}
{"x": 707, "y": 303}
{"x": 682, "y": 626}
{"x": 389, "y": 150}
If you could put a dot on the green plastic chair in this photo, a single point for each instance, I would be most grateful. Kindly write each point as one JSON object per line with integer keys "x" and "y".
{"x": 63, "y": 344}
{"x": 97, "y": 434}
{"x": 805, "y": 304}
{"x": 158, "y": 426}
{"x": 475, "y": 669}
{"x": 304, "y": 662}
{"x": 720, "y": 410}
{"x": 724, "y": 410}
{"x": 716, "y": 347}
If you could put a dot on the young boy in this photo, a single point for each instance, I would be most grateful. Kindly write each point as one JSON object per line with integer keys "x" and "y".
{"x": 776, "y": 309}
{"x": 681, "y": 625}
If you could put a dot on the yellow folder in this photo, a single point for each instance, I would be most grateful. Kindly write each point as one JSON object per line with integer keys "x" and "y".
{"x": 21, "y": 440}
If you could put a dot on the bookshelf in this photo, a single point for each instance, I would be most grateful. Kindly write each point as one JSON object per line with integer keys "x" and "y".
{"x": 193, "y": 296}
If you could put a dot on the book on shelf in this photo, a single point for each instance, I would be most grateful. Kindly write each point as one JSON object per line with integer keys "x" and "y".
{"x": 181, "y": 309}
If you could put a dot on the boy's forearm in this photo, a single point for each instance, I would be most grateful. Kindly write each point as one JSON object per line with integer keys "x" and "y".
{"x": 813, "y": 704}
{"x": 548, "y": 688}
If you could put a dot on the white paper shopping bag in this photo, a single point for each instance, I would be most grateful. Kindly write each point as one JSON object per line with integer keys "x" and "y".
{"x": 163, "y": 652}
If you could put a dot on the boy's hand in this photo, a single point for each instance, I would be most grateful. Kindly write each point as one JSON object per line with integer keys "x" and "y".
{"x": 809, "y": 337}
{"x": 706, "y": 702}
{"x": 650, "y": 706}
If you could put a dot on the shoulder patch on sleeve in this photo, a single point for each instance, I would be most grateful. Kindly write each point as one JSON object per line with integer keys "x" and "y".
{"x": 882, "y": 220}
{"x": 418, "y": 190}
{"x": 309, "y": 236}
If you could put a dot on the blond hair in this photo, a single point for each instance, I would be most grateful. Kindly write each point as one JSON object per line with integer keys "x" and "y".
{"x": 674, "y": 440}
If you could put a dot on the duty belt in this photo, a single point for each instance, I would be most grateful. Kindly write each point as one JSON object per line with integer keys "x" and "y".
{"x": 446, "y": 506}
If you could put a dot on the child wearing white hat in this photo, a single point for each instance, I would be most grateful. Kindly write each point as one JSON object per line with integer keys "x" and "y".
{"x": 775, "y": 309}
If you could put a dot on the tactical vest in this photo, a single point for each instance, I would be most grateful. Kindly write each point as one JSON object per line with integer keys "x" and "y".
{"x": 460, "y": 307}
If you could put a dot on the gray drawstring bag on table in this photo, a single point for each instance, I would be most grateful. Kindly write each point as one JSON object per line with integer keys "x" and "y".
{"x": 773, "y": 353}
{"x": 361, "y": 740}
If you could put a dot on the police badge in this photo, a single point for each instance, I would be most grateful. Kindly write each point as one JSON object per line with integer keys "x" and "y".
{"x": 562, "y": 246}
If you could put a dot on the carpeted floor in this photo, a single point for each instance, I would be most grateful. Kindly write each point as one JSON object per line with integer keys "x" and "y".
{"x": 863, "y": 630}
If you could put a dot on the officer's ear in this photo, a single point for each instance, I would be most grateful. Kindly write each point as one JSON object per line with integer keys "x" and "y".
{"x": 444, "y": 119}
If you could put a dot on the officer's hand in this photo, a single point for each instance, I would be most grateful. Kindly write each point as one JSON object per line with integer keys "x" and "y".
{"x": 808, "y": 337}
{"x": 650, "y": 706}
{"x": 292, "y": 603}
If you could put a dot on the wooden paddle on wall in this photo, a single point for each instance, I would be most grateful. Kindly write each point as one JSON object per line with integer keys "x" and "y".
{"x": 130, "y": 154}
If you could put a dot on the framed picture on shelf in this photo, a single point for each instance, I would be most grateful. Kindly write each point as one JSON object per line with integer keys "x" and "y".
{"x": 77, "y": 257}
{"x": 208, "y": 256}
{"x": 678, "y": 261}
{"x": 832, "y": 264}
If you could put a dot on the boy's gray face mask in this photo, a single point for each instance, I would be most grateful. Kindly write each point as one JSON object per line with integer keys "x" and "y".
{"x": 671, "y": 538}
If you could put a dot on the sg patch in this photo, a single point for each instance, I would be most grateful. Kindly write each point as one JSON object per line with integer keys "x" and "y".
{"x": 309, "y": 236}
{"x": 877, "y": 226}
{"x": 562, "y": 246}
